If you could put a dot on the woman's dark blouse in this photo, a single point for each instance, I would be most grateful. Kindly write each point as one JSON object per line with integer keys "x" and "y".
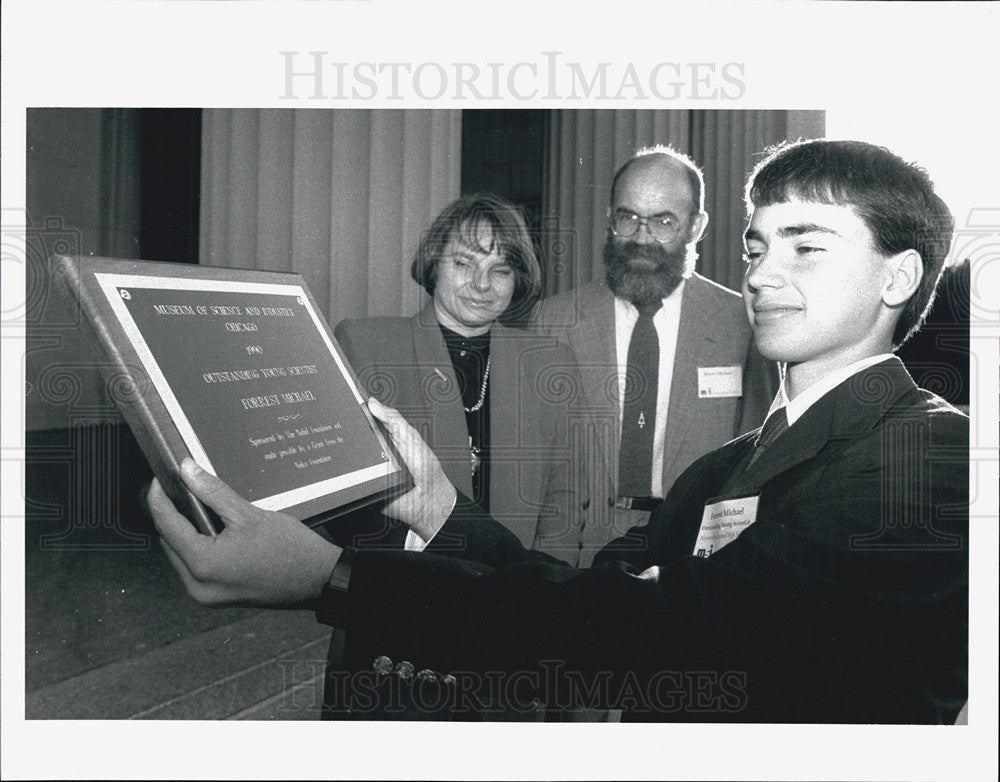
{"x": 469, "y": 357}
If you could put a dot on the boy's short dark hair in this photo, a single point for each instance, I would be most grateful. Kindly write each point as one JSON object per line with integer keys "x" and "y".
{"x": 895, "y": 199}
{"x": 462, "y": 219}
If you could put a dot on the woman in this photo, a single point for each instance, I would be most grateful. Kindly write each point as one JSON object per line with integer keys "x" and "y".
{"x": 491, "y": 400}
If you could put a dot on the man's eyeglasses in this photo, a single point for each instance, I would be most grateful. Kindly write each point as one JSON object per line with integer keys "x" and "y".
{"x": 663, "y": 227}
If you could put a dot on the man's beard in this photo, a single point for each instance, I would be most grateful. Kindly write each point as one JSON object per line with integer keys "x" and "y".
{"x": 641, "y": 284}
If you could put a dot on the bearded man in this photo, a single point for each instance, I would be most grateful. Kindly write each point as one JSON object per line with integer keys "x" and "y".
{"x": 666, "y": 356}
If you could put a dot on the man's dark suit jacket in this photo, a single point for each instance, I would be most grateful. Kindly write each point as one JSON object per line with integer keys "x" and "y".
{"x": 846, "y": 600}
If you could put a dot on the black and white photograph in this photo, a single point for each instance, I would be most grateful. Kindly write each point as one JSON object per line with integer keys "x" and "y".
{"x": 370, "y": 382}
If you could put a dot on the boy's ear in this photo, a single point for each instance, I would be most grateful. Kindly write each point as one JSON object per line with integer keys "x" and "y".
{"x": 904, "y": 272}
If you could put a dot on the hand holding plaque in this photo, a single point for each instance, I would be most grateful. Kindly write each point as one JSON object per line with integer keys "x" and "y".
{"x": 426, "y": 507}
{"x": 239, "y": 370}
{"x": 259, "y": 558}
{"x": 267, "y": 558}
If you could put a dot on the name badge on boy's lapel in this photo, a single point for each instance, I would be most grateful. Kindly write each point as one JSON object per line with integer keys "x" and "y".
{"x": 720, "y": 382}
{"x": 722, "y": 522}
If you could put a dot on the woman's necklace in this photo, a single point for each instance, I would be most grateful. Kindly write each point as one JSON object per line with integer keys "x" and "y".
{"x": 482, "y": 391}
{"x": 474, "y": 452}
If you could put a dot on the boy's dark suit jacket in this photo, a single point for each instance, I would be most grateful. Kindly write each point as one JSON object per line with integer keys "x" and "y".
{"x": 846, "y": 601}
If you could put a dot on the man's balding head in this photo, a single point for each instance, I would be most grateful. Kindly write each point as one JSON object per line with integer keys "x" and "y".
{"x": 665, "y": 159}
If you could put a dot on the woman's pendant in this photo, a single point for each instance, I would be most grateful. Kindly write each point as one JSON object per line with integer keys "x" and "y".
{"x": 473, "y": 456}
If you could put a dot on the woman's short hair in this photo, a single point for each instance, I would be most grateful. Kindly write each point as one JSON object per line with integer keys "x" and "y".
{"x": 464, "y": 220}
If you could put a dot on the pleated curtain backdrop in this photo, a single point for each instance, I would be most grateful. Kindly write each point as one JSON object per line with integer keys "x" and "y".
{"x": 339, "y": 196}
{"x": 587, "y": 147}
{"x": 727, "y": 145}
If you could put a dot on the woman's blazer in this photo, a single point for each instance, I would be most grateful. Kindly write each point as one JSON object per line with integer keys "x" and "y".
{"x": 535, "y": 474}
